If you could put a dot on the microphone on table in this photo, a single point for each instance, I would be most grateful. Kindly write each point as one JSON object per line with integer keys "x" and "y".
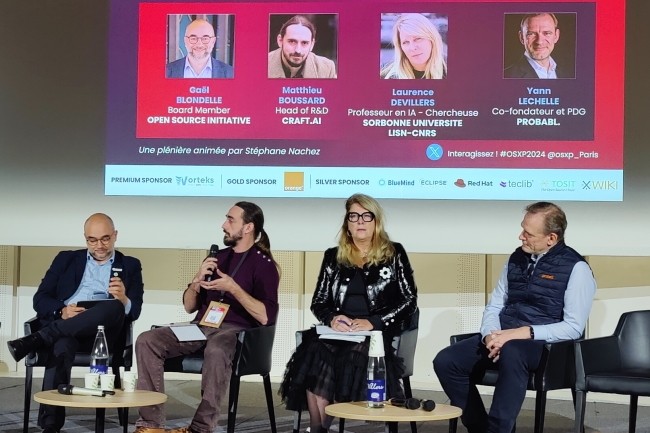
{"x": 77, "y": 390}
{"x": 408, "y": 403}
{"x": 214, "y": 249}
{"x": 413, "y": 403}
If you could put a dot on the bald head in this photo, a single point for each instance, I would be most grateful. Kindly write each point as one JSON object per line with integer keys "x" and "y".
{"x": 199, "y": 40}
{"x": 100, "y": 235}
{"x": 97, "y": 218}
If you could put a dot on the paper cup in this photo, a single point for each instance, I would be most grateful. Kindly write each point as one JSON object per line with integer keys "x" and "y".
{"x": 129, "y": 381}
{"x": 376, "y": 344}
{"x": 107, "y": 382}
{"x": 91, "y": 380}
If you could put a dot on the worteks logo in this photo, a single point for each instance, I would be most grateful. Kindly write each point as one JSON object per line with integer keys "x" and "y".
{"x": 194, "y": 181}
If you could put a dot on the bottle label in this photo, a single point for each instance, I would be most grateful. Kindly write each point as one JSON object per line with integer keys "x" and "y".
{"x": 101, "y": 369}
{"x": 376, "y": 390}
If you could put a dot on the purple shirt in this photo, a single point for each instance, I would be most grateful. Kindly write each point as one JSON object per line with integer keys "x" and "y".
{"x": 257, "y": 275}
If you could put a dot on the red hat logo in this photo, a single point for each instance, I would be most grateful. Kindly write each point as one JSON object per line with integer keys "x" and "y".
{"x": 460, "y": 183}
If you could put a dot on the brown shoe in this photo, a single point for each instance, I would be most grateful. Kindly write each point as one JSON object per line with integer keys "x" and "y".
{"x": 180, "y": 430}
{"x": 141, "y": 429}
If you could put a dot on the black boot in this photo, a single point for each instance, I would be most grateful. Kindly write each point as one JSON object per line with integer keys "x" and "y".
{"x": 20, "y": 347}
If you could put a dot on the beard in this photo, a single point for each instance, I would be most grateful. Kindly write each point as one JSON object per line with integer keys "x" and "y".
{"x": 231, "y": 240}
{"x": 291, "y": 60}
{"x": 199, "y": 55}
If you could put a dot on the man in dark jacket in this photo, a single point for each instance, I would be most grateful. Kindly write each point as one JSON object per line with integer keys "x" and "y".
{"x": 538, "y": 34}
{"x": 544, "y": 294}
{"x": 98, "y": 273}
{"x": 199, "y": 63}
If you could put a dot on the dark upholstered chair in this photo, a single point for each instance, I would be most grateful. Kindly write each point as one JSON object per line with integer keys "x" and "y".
{"x": 555, "y": 371}
{"x": 618, "y": 364}
{"x": 404, "y": 345}
{"x": 122, "y": 356}
{"x": 253, "y": 356}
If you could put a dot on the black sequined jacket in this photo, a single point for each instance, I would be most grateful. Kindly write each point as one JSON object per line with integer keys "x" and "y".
{"x": 390, "y": 287}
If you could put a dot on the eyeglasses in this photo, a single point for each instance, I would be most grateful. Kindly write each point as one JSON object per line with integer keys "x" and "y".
{"x": 353, "y": 217}
{"x": 104, "y": 240}
{"x": 194, "y": 39}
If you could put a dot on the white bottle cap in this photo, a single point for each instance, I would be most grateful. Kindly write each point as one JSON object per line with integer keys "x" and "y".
{"x": 376, "y": 344}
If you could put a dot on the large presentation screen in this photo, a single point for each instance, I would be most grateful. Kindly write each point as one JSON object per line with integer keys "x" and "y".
{"x": 505, "y": 100}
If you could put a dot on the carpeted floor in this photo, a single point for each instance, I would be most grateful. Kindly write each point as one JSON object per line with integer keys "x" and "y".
{"x": 252, "y": 415}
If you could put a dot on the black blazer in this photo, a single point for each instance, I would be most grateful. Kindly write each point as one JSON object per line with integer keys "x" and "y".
{"x": 63, "y": 277}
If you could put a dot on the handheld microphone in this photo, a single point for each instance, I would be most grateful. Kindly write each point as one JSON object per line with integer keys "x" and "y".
{"x": 77, "y": 390}
{"x": 408, "y": 403}
{"x": 413, "y": 403}
{"x": 214, "y": 249}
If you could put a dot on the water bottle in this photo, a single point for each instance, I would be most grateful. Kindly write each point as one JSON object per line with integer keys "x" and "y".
{"x": 99, "y": 354}
{"x": 376, "y": 371}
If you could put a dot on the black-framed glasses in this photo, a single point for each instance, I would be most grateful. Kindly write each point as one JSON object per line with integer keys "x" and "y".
{"x": 194, "y": 39}
{"x": 353, "y": 217}
{"x": 104, "y": 240}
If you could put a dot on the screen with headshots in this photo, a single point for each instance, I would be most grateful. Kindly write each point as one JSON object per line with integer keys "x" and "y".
{"x": 397, "y": 99}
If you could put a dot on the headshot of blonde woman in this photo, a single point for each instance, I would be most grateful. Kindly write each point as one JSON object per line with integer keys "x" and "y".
{"x": 418, "y": 50}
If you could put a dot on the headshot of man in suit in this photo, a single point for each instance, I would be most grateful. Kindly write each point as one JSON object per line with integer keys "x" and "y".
{"x": 538, "y": 33}
{"x": 199, "y": 41}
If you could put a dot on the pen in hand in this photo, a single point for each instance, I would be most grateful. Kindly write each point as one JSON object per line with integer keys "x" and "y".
{"x": 343, "y": 322}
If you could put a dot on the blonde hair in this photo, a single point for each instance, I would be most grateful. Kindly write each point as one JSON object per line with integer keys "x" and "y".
{"x": 420, "y": 26}
{"x": 381, "y": 248}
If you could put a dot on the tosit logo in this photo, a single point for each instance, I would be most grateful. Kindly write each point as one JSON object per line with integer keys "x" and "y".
{"x": 194, "y": 181}
{"x": 559, "y": 185}
{"x": 516, "y": 184}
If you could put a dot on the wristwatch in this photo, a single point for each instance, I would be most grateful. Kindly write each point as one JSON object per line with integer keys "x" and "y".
{"x": 532, "y": 333}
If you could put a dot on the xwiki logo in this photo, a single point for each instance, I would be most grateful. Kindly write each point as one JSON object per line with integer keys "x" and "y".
{"x": 294, "y": 181}
{"x": 603, "y": 185}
